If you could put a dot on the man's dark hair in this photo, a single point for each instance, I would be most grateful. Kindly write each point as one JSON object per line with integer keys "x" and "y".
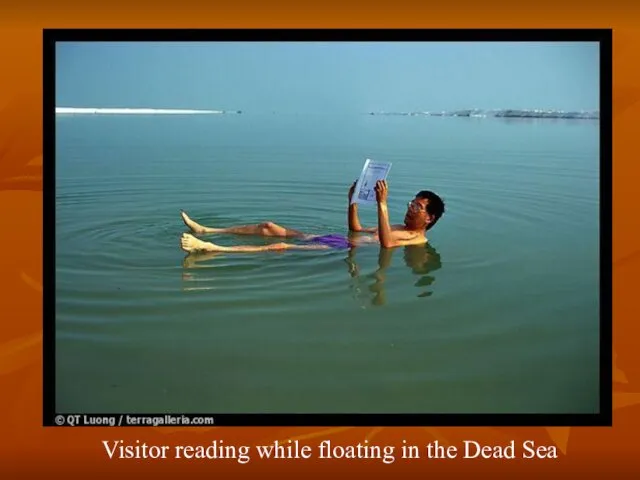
{"x": 435, "y": 207}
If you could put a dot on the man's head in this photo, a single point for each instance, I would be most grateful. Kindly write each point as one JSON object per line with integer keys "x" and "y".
{"x": 424, "y": 211}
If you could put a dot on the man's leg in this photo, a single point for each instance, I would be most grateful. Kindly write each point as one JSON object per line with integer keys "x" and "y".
{"x": 266, "y": 229}
{"x": 189, "y": 244}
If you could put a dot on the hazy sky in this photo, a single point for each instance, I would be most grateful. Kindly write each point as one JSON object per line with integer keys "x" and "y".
{"x": 328, "y": 77}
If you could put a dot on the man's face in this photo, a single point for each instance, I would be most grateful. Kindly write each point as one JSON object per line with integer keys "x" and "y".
{"x": 417, "y": 216}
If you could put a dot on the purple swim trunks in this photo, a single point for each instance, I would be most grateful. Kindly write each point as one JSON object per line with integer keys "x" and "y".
{"x": 332, "y": 240}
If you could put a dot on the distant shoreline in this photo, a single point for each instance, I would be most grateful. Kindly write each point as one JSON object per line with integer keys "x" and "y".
{"x": 140, "y": 111}
{"x": 506, "y": 113}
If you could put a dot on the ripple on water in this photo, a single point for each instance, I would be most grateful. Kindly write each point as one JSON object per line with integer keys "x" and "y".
{"x": 110, "y": 284}
{"x": 512, "y": 278}
{"x": 119, "y": 254}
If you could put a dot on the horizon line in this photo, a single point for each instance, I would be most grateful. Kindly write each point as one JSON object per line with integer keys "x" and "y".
{"x": 199, "y": 110}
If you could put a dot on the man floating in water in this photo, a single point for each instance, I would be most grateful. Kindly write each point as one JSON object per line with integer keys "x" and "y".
{"x": 422, "y": 214}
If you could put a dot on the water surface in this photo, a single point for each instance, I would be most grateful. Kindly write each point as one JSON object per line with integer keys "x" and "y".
{"x": 499, "y": 313}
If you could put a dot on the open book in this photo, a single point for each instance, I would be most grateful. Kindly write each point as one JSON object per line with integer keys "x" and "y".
{"x": 366, "y": 184}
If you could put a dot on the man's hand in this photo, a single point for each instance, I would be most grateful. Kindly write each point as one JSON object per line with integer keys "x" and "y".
{"x": 351, "y": 190}
{"x": 381, "y": 191}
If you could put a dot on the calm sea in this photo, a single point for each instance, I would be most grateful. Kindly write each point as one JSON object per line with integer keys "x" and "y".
{"x": 498, "y": 314}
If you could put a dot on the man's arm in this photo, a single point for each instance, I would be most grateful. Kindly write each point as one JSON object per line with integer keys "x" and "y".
{"x": 404, "y": 238}
{"x": 384, "y": 229}
{"x": 389, "y": 238}
{"x": 354, "y": 221}
{"x": 395, "y": 238}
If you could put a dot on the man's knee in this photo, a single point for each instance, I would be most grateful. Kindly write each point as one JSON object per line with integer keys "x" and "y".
{"x": 270, "y": 227}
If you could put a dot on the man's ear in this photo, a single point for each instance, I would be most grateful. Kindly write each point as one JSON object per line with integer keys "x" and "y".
{"x": 429, "y": 219}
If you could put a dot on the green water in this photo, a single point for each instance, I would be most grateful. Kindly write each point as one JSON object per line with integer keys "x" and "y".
{"x": 498, "y": 314}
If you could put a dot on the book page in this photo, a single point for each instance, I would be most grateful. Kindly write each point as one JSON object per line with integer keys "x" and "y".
{"x": 365, "y": 186}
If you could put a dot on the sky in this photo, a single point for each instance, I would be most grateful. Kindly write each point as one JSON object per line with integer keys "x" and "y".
{"x": 331, "y": 77}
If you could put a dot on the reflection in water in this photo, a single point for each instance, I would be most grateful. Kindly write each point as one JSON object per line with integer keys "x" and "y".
{"x": 421, "y": 260}
{"x": 190, "y": 261}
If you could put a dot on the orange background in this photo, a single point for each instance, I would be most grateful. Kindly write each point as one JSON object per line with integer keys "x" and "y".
{"x": 26, "y": 448}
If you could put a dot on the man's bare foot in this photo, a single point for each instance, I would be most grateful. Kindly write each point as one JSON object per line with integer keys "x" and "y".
{"x": 189, "y": 244}
{"x": 193, "y": 225}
